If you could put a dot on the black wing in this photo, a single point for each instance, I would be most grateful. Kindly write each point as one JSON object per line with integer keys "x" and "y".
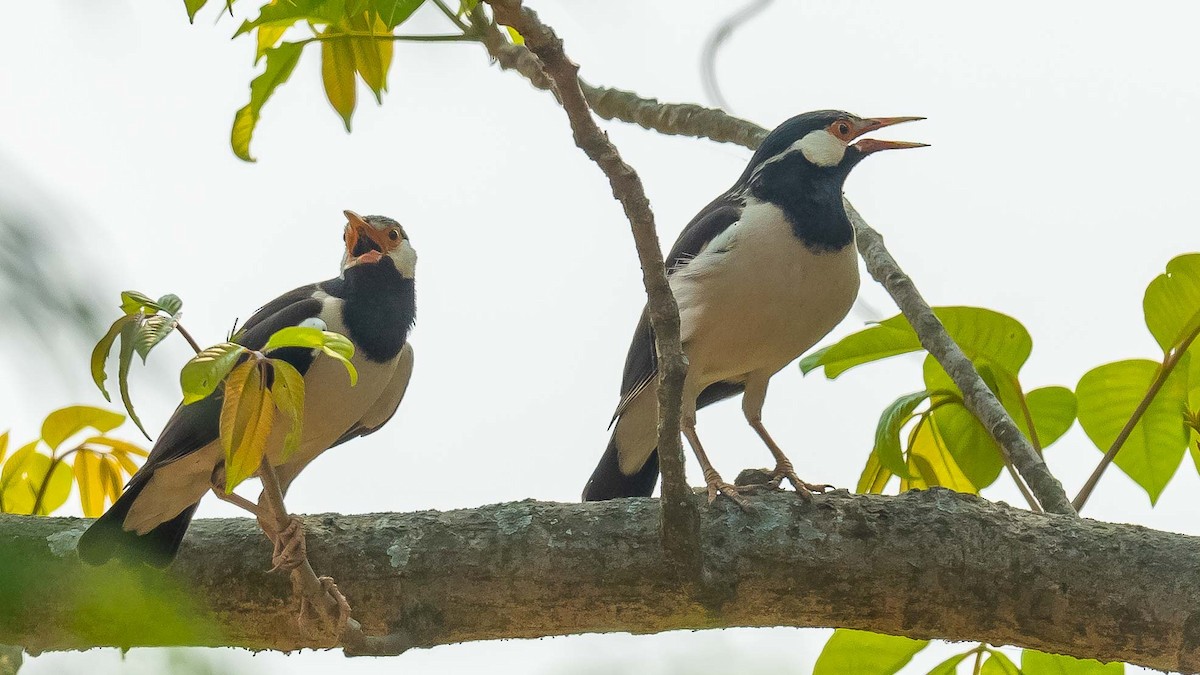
{"x": 194, "y": 426}
{"x": 641, "y": 364}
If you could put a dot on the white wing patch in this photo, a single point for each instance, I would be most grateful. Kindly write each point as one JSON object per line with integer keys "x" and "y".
{"x": 314, "y": 322}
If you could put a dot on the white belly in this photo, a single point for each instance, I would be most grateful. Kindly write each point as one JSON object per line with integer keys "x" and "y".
{"x": 757, "y": 298}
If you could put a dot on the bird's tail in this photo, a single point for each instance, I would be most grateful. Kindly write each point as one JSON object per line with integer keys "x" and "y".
{"x": 608, "y": 482}
{"x": 107, "y": 538}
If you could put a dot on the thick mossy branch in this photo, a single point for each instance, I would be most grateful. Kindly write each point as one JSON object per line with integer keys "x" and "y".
{"x": 932, "y": 564}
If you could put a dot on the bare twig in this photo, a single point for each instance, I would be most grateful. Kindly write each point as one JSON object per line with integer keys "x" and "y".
{"x": 716, "y": 39}
{"x": 188, "y": 336}
{"x": 680, "y": 516}
{"x": 1160, "y": 378}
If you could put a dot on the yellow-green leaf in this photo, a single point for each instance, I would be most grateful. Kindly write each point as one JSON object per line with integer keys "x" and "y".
{"x": 975, "y": 453}
{"x": 337, "y": 72}
{"x": 982, "y": 334}
{"x": 1040, "y": 663}
{"x": 192, "y": 7}
{"x": 864, "y": 653}
{"x": 151, "y": 331}
{"x": 874, "y": 477}
{"x": 117, "y": 446}
{"x": 91, "y": 484}
{"x": 1053, "y": 411}
{"x": 21, "y": 492}
{"x": 133, "y": 302}
{"x": 1107, "y": 397}
{"x": 100, "y": 352}
{"x": 203, "y": 374}
{"x": 395, "y": 12}
{"x": 950, "y": 665}
{"x": 281, "y": 61}
{"x": 246, "y": 418}
{"x": 998, "y": 664}
{"x": 110, "y": 475}
{"x": 1172, "y": 302}
{"x": 288, "y": 392}
{"x": 66, "y": 422}
{"x": 16, "y": 465}
{"x": 307, "y": 337}
{"x": 3, "y": 447}
{"x": 515, "y": 36}
{"x": 931, "y": 463}
{"x": 372, "y": 56}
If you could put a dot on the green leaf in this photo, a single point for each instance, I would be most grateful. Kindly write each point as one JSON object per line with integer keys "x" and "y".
{"x": 267, "y": 37}
{"x": 203, "y": 374}
{"x": 887, "y": 432}
{"x": 337, "y": 73}
{"x": 982, "y": 334}
{"x": 124, "y": 358}
{"x": 931, "y": 463}
{"x": 66, "y": 422}
{"x": 998, "y": 664}
{"x": 192, "y": 7}
{"x": 515, "y": 36}
{"x": 170, "y": 303}
{"x": 863, "y": 653}
{"x": 151, "y": 331}
{"x": 339, "y": 347}
{"x": 100, "y": 352}
{"x": 874, "y": 477}
{"x": 1053, "y": 411}
{"x": 1039, "y": 663}
{"x": 288, "y": 13}
{"x": 3, "y": 446}
{"x": 950, "y": 665}
{"x": 395, "y": 12}
{"x": 247, "y": 415}
{"x": 281, "y": 61}
{"x": 1107, "y": 397}
{"x": 288, "y": 392}
{"x": 1172, "y": 302}
{"x": 307, "y": 337}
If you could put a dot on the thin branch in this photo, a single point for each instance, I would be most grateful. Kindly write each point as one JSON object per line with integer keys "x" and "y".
{"x": 680, "y": 516}
{"x": 452, "y": 37}
{"x": 451, "y": 15}
{"x": 1160, "y": 378}
{"x": 925, "y": 564}
{"x": 188, "y": 336}
{"x": 977, "y": 397}
{"x": 712, "y": 45}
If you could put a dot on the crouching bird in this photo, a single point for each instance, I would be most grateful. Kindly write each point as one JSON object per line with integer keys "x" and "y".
{"x": 761, "y": 274}
{"x": 372, "y": 303}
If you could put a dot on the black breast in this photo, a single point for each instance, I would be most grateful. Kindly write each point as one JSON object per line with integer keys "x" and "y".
{"x": 380, "y": 308}
{"x": 811, "y": 199}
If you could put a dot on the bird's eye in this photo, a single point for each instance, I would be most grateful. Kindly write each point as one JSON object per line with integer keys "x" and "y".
{"x": 843, "y": 128}
{"x": 393, "y": 234}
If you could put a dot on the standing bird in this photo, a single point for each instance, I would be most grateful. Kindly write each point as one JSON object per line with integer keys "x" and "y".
{"x": 372, "y": 303}
{"x": 761, "y": 274}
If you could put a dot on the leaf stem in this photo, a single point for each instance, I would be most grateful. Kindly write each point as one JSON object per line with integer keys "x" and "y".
{"x": 188, "y": 336}
{"x": 452, "y": 37}
{"x": 451, "y": 15}
{"x": 1160, "y": 378}
{"x": 975, "y": 670}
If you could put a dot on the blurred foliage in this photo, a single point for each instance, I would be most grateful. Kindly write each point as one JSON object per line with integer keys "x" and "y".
{"x": 36, "y": 479}
{"x": 1145, "y": 414}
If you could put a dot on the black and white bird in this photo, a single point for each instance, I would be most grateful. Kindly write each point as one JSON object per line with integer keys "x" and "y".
{"x": 372, "y": 303}
{"x": 761, "y": 274}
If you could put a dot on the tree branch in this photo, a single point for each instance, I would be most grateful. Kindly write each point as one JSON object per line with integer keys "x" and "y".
{"x": 680, "y": 516}
{"x": 700, "y": 122}
{"x": 931, "y": 564}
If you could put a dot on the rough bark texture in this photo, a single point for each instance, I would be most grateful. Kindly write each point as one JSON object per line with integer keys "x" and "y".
{"x": 932, "y": 564}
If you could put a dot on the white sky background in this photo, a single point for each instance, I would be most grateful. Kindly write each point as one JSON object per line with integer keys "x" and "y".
{"x": 1060, "y": 182}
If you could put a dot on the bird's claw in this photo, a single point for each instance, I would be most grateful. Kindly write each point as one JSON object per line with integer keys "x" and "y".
{"x": 718, "y": 486}
{"x": 290, "y": 548}
{"x": 314, "y": 623}
{"x": 805, "y": 489}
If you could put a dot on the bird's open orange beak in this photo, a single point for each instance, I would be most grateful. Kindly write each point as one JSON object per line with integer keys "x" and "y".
{"x": 356, "y": 229}
{"x": 868, "y": 145}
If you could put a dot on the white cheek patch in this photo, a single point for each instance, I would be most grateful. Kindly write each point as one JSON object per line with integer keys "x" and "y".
{"x": 405, "y": 258}
{"x": 821, "y": 148}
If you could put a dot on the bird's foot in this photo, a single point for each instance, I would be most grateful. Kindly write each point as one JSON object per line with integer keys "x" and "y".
{"x": 784, "y": 470}
{"x": 316, "y": 624}
{"x": 290, "y": 548}
{"x": 717, "y": 485}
